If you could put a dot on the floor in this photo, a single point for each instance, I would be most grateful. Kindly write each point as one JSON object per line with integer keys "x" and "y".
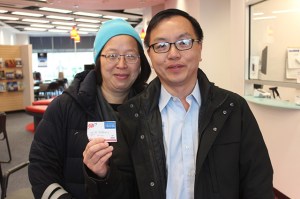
{"x": 20, "y": 142}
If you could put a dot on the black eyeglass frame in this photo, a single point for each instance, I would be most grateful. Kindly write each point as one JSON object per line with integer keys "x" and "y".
{"x": 175, "y": 44}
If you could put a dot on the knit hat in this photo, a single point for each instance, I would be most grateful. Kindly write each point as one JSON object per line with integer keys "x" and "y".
{"x": 110, "y": 29}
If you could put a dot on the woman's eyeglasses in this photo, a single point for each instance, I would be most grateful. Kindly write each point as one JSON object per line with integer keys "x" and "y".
{"x": 115, "y": 58}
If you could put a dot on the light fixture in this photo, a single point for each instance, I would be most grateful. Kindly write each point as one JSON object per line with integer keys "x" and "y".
{"x": 73, "y": 32}
{"x": 89, "y": 29}
{"x": 88, "y": 14}
{"x": 59, "y": 17}
{"x": 142, "y": 34}
{"x": 27, "y": 14}
{"x": 77, "y": 38}
{"x": 9, "y": 18}
{"x": 114, "y": 17}
{"x": 88, "y": 25}
{"x": 41, "y": 25}
{"x": 82, "y": 32}
{"x": 35, "y": 29}
{"x": 88, "y": 20}
{"x": 55, "y": 10}
{"x": 35, "y": 20}
{"x": 57, "y": 30}
{"x": 64, "y": 23}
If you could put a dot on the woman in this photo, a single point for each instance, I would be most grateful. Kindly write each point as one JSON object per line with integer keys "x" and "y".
{"x": 121, "y": 72}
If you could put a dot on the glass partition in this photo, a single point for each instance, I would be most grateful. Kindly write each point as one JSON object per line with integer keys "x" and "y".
{"x": 274, "y": 43}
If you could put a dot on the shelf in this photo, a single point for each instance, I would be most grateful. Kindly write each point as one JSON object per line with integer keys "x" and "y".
{"x": 274, "y": 83}
{"x": 272, "y": 102}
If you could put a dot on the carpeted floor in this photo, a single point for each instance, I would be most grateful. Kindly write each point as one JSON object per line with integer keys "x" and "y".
{"x": 20, "y": 141}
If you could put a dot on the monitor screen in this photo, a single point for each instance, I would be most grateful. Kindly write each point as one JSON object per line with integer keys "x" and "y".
{"x": 264, "y": 58}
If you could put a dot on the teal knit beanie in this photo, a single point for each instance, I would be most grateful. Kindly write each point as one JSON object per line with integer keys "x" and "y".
{"x": 110, "y": 29}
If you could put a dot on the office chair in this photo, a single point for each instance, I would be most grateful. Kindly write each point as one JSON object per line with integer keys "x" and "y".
{"x": 4, "y": 181}
{"x": 3, "y": 135}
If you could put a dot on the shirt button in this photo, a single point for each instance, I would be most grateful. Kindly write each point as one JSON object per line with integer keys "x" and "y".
{"x": 152, "y": 184}
{"x": 187, "y": 147}
{"x": 224, "y": 112}
{"x": 142, "y": 137}
{"x": 136, "y": 115}
{"x": 215, "y": 129}
{"x": 231, "y": 104}
{"x": 131, "y": 105}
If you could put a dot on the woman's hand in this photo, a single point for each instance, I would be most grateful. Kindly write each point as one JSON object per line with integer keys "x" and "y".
{"x": 96, "y": 156}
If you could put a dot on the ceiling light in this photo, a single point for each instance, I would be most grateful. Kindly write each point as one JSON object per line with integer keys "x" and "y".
{"x": 64, "y": 27}
{"x": 88, "y": 20}
{"x": 42, "y": 25}
{"x": 88, "y": 29}
{"x": 35, "y": 29}
{"x": 8, "y": 18}
{"x": 56, "y": 30}
{"x": 258, "y": 13}
{"x": 87, "y": 14}
{"x": 27, "y": 14}
{"x": 64, "y": 23}
{"x": 114, "y": 17}
{"x": 88, "y": 25}
{"x": 55, "y": 10}
{"x": 3, "y": 11}
{"x": 82, "y": 32}
{"x": 286, "y": 11}
{"x": 59, "y": 17}
{"x": 35, "y": 20}
{"x": 261, "y": 18}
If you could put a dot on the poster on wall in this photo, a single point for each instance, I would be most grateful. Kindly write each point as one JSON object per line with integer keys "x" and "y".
{"x": 42, "y": 59}
{"x": 292, "y": 63}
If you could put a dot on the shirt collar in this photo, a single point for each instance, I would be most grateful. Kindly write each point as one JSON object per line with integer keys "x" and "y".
{"x": 165, "y": 96}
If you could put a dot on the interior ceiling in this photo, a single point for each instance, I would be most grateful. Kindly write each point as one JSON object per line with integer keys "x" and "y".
{"x": 130, "y": 9}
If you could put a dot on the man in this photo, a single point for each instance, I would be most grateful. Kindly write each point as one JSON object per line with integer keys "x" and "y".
{"x": 189, "y": 138}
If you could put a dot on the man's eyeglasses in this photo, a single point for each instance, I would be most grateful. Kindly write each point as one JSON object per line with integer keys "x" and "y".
{"x": 115, "y": 58}
{"x": 163, "y": 47}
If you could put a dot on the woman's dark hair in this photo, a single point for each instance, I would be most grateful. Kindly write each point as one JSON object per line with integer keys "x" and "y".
{"x": 140, "y": 82}
{"x": 156, "y": 19}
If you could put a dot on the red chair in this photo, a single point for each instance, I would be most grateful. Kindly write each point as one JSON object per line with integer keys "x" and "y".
{"x": 37, "y": 111}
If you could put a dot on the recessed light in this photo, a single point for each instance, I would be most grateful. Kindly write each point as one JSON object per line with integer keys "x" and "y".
{"x": 59, "y": 17}
{"x": 87, "y": 14}
{"x": 35, "y": 29}
{"x": 88, "y": 25}
{"x": 63, "y": 23}
{"x": 56, "y": 30}
{"x": 35, "y": 20}
{"x": 88, "y": 20}
{"x": 9, "y": 18}
{"x": 27, "y": 14}
{"x": 55, "y": 10}
{"x": 88, "y": 29}
{"x": 64, "y": 27}
{"x": 42, "y": 25}
{"x": 114, "y": 17}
